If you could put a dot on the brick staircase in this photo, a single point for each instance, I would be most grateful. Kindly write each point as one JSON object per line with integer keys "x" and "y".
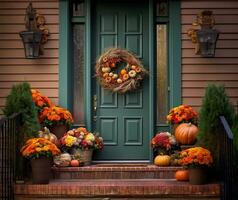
{"x": 116, "y": 181}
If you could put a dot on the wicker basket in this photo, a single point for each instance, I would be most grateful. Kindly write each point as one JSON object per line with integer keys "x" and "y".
{"x": 85, "y": 155}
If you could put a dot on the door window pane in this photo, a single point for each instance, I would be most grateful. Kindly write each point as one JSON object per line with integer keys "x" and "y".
{"x": 78, "y": 74}
{"x": 162, "y": 73}
{"x": 162, "y": 8}
{"x": 78, "y": 8}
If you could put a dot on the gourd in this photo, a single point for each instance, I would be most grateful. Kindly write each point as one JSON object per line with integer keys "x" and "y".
{"x": 186, "y": 133}
{"x": 162, "y": 160}
{"x": 63, "y": 160}
{"x": 48, "y": 135}
{"x": 74, "y": 163}
{"x": 182, "y": 175}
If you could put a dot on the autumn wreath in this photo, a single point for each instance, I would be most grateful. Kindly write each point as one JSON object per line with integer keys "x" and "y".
{"x": 119, "y": 70}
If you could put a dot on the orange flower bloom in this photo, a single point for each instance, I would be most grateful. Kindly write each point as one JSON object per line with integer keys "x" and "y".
{"x": 37, "y": 147}
{"x": 123, "y": 71}
{"x": 108, "y": 79}
{"x": 54, "y": 114}
{"x": 40, "y": 100}
{"x": 181, "y": 114}
{"x": 125, "y": 77}
{"x": 196, "y": 156}
{"x": 138, "y": 69}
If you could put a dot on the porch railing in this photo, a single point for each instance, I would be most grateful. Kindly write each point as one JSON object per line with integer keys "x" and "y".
{"x": 226, "y": 159}
{"x": 9, "y": 158}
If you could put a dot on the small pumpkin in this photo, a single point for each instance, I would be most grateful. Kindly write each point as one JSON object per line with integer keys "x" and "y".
{"x": 182, "y": 175}
{"x": 48, "y": 135}
{"x": 162, "y": 160}
{"x": 186, "y": 133}
{"x": 74, "y": 163}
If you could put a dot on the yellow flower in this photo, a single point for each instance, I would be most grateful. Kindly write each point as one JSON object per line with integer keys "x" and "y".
{"x": 70, "y": 140}
{"x": 45, "y": 148}
{"x": 90, "y": 137}
{"x": 38, "y": 149}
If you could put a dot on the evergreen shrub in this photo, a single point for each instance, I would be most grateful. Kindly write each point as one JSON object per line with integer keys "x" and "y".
{"x": 20, "y": 100}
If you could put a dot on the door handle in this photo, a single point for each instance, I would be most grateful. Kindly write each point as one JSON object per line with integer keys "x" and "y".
{"x": 95, "y": 103}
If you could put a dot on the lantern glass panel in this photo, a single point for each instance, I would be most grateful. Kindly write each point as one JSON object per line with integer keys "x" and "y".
{"x": 207, "y": 40}
{"x": 31, "y": 41}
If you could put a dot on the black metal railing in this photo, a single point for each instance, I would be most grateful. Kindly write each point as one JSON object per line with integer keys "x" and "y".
{"x": 9, "y": 155}
{"x": 226, "y": 159}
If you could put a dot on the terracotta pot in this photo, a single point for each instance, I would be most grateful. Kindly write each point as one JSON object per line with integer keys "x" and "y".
{"x": 59, "y": 130}
{"x": 84, "y": 155}
{"x": 41, "y": 170}
{"x": 197, "y": 176}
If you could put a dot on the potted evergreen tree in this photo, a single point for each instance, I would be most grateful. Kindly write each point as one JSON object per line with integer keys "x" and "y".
{"x": 215, "y": 103}
{"x": 20, "y": 101}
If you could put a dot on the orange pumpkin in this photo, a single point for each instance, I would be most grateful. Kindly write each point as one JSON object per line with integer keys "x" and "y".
{"x": 162, "y": 160}
{"x": 182, "y": 175}
{"x": 74, "y": 163}
{"x": 186, "y": 133}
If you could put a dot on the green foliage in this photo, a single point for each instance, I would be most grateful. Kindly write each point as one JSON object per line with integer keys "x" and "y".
{"x": 20, "y": 100}
{"x": 215, "y": 104}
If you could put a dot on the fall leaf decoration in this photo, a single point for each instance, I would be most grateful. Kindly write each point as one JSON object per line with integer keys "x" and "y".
{"x": 119, "y": 70}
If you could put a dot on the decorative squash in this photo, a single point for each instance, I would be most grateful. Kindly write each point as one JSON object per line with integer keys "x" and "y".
{"x": 63, "y": 160}
{"x": 48, "y": 135}
{"x": 186, "y": 133}
{"x": 162, "y": 160}
{"x": 182, "y": 175}
{"x": 74, "y": 163}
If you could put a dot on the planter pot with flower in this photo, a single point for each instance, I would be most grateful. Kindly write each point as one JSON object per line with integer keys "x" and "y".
{"x": 81, "y": 143}
{"x": 197, "y": 160}
{"x": 57, "y": 119}
{"x": 182, "y": 114}
{"x": 163, "y": 144}
{"x": 40, "y": 151}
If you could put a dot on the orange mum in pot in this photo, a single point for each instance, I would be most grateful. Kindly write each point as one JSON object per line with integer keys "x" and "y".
{"x": 55, "y": 115}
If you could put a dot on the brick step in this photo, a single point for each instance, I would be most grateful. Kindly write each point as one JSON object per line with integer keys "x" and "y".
{"x": 166, "y": 189}
{"x": 117, "y": 171}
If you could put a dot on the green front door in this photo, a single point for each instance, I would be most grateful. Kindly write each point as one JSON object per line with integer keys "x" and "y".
{"x": 122, "y": 120}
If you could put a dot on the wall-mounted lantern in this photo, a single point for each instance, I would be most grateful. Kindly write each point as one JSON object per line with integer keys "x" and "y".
{"x": 206, "y": 37}
{"x": 35, "y": 35}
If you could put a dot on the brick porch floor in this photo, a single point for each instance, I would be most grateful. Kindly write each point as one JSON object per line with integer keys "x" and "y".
{"x": 116, "y": 182}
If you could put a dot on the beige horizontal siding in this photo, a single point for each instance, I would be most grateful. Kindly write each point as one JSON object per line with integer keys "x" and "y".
{"x": 197, "y": 72}
{"x": 41, "y": 73}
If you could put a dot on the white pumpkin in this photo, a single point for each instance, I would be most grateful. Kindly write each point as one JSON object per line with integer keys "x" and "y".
{"x": 106, "y": 69}
{"x": 63, "y": 160}
{"x": 48, "y": 135}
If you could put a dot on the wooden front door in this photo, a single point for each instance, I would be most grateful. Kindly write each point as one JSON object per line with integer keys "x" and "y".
{"x": 122, "y": 120}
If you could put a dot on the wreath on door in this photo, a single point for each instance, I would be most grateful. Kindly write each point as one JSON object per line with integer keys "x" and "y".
{"x": 119, "y": 70}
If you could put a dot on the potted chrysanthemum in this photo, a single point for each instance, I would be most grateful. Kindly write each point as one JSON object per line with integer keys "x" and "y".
{"x": 57, "y": 119}
{"x": 82, "y": 142}
{"x": 164, "y": 144}
{"x": 197, "y": 160}
{"x": 40, "y": 152}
